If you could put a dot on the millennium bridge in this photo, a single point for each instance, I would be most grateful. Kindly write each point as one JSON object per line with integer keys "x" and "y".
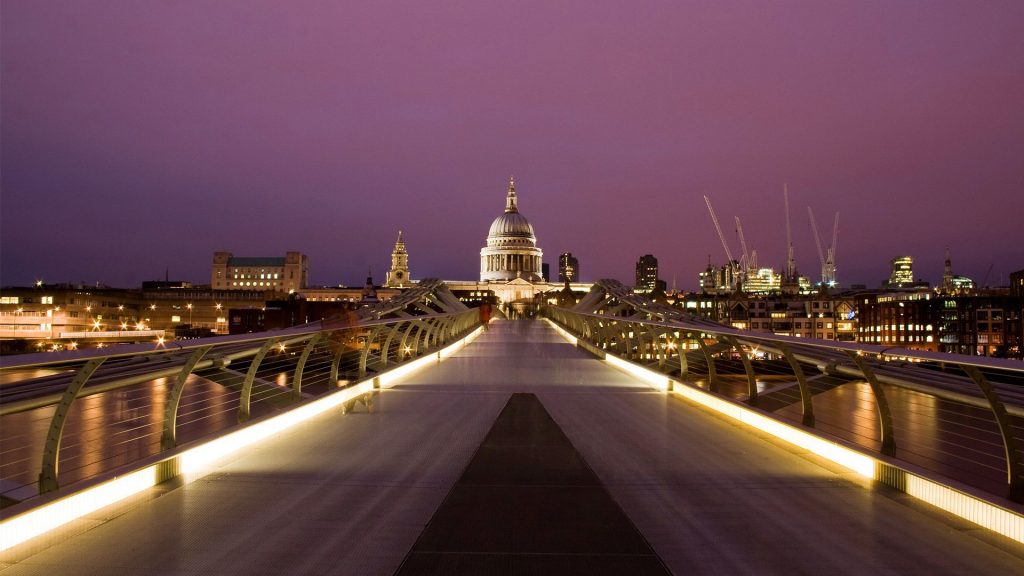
{"x": 616, "y": 436}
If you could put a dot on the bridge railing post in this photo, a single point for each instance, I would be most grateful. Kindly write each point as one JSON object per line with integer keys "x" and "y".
{"x": 1014, "y": 466}
{"x": 250, "y": 377}
{"x": 806, "y": 405}
{"x": 51, "y": 450}
{"x": 747, "y": 367}
{"x": 168, "y": 437}
{"x": 885, "y": 425}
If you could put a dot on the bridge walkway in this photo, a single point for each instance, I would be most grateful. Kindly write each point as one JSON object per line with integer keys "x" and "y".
{"x": 352, "y": 494}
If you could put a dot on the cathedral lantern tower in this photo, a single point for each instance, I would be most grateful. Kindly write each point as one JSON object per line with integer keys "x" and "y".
{"x": 398, "y": 275}
{"x": 511, "y": 251}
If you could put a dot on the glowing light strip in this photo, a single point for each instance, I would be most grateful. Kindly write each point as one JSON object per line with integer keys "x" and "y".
{"x": 41, "y": 520}
{"x": 194, "y": 462}
{"x": 850, "y": 459}
{"x": 659, "y": 381}
{"x": 982, "y": 513}
{"x": 563, "y": 332}
{"x": 972, "y": 508}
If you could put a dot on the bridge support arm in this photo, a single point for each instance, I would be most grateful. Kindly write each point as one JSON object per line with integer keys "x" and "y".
{"x": 51, "y": 451}
{"x": 1014, "y": 467}
{"x": 749, "y": 369}
{"x": 301, "y": 365}
{"x": 882, "y": 405}
{"x": 712, "y": 373}
{"x": 168, "y": 439}
{"x": 807, "y": 407}
{"x": 250, "y": 376}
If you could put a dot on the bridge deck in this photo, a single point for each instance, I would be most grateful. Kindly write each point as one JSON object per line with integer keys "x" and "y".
{"x": 352, "y": 494}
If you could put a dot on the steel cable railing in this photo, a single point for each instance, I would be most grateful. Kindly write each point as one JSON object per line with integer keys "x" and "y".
{"x": 135, "y": 402}
{"x": 959, "y": 416}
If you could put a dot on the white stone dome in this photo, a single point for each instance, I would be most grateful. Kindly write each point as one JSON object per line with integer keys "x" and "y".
{"x": 511, "y": 225}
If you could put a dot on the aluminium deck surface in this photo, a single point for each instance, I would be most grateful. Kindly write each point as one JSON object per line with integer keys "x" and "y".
{"x": 352, "y": 494}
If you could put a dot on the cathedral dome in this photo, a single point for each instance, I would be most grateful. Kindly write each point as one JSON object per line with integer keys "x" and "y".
{"x": 511, "y": 224}
{"x": 511, "y": 251}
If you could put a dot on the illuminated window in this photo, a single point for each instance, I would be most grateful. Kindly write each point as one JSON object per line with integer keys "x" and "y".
{"x": 9, "y": 300}
{"x": 175, "y": 318}
{"x": 46, "y": 300}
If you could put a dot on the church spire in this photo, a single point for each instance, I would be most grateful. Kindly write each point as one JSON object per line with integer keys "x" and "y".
{"x": 511, "y": 202}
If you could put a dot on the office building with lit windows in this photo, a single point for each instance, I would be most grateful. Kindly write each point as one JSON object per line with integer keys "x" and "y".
{"x": 901, "y": 274}
{"x": 288, "y": 274}
{"x": 982, "y": 325}
{"x": 646, "y": 273}
{"x": 568, "y": 268}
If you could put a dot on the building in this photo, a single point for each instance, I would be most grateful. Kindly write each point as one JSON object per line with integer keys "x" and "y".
{"x": 281, "y": 275}
{"x": 69, "y": 316}
{"x": 898, "y": 319}
{"x": 1017, "y": 283}
{"x": 511, "y": 251}
{"x": 646, "y": 273}
{"x": 821, "y": 316}
{"x": 398, "y": 275}
{"x": 511, "y": 267}
{"x": 196, "y": 308}
{"x": 568, "y": 268}
{"x": 952, "y": 283}
{"x": 901, "y": 274}
{"x": 977, "y": 324}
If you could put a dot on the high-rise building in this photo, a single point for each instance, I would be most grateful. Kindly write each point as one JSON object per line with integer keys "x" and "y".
{"x": 947, "y": 273}
{"x": 287, "y": 274}
{"x": 568, "y": 268}
{"x": 646, "y": 273}
{"x": 398, "y": 275}
{"x": 902, "y": 272}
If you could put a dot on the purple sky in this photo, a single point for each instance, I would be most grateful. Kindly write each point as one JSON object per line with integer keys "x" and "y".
{"x": 139, "y": 136}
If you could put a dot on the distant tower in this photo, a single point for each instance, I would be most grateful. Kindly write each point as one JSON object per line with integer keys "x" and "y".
{"x": 369, "y": 290}
{"x": 647, "y": 273}
{"x": 902, "y": 272}
{"x": 947, "y": 274}
{"x": 568, "y": 268}
{"x": 398, "y": 275}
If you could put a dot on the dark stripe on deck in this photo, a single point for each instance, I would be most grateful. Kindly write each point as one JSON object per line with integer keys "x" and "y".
{"x": 528, "y": 503}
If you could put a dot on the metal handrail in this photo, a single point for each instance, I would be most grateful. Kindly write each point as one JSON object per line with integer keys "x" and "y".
{"x": 340, "y": 351}
{"x": 991, "y": 384}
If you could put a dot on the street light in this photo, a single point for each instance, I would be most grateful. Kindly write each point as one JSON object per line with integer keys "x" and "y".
{"x": 189, "y": 306}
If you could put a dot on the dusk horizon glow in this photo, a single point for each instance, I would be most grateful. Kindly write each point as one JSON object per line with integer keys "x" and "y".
{"x": 139, "y": 137}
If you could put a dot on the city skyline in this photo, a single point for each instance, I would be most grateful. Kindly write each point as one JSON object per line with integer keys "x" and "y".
{"x": 139, "y": 138}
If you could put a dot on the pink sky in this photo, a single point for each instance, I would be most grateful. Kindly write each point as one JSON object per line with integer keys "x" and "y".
{"x": 139, "y": 136}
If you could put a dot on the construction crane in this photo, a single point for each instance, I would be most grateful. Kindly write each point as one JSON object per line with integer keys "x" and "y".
{"x": 745, "y": 258}
{"x": 830, "y": 260}
{"x": 827, "y": 259}
{"x": 790, "y": 259}
{"x": 725, "y": 245}
{"x": 748, "y": 261}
